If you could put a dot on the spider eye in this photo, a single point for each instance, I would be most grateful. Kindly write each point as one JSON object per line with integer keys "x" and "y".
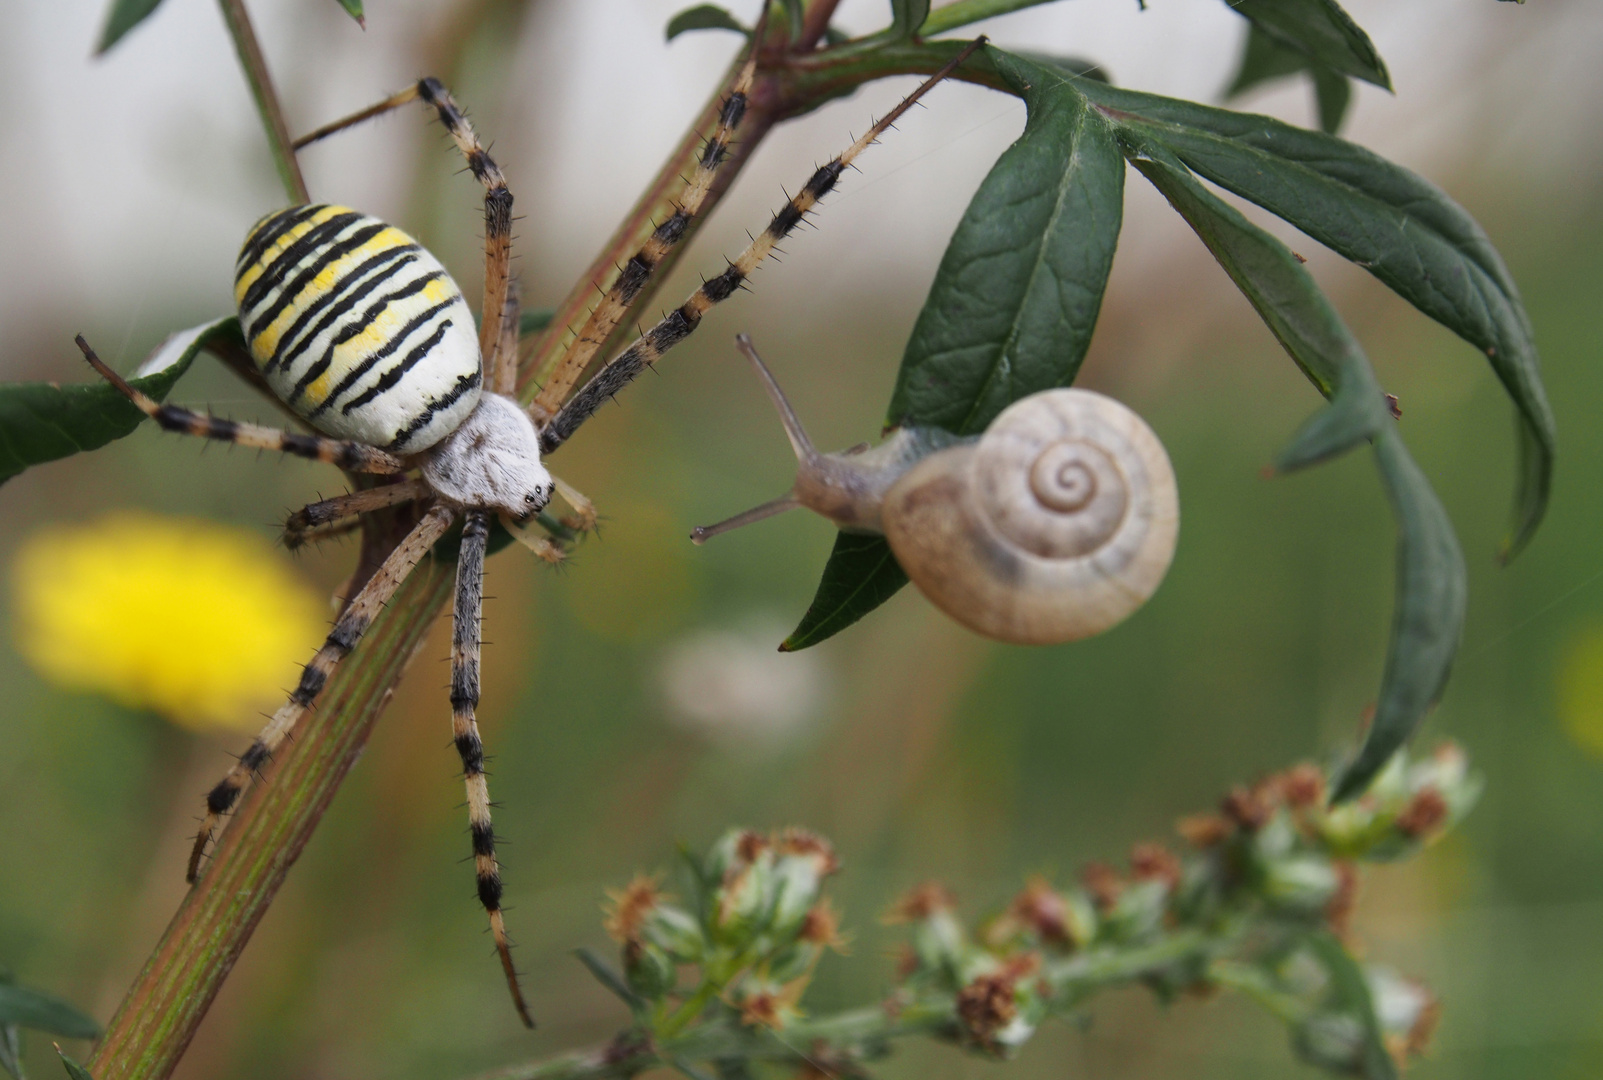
{"x": 532, "y": 500}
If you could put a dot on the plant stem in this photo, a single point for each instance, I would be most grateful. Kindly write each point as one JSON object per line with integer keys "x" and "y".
{"x": 656, "y": 203}
{"x": 1072, "y": 980}
{"x": 964, "y": 12}
{"x": 166, "y": 1003}
{"x": 261, "y": 88}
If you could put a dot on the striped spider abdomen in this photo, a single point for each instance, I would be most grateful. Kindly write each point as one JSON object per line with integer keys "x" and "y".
{"x": 357, "y": 328}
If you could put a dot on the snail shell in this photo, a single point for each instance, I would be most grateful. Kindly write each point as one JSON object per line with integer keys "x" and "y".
{"x": 1056, "y": 525}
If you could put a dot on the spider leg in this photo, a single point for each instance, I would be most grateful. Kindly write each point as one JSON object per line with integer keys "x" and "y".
{"x": 682, "y": 321}
{"x": 497, "y": 197}
{"x": 582, "y": 506}
{"x": 354, "y": 456}
{"x": 299, "y": 528}
{"x": 502, "y": 367}
{"x": 348, "y": 630}
{"x": 465, "y": 731}
{"x": 543, "y": 546}
{"x": 634, "y": 275}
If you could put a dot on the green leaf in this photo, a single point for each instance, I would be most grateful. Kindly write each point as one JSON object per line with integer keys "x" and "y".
{"x": 74, "y": 1070}
{"x": 1427, "y": 623}
{"x": 1320, "y": 30}
{"x": 1291, "y": 305}
{"x": 703, "y": 17}
{"x": 964, "y": 12}
{"x": 121, "y": 17}
{"x": 612, "y": 980}
{"x": 31, "y": 1009}
{"x": 1012, "y": 309}
{"x": 1018, "y": 291}
{"x": 1349, "y": 993}
{"x": 1398, "y": 226}
{"x": 353, "y": 8}
{"x": 534, "y": 320}
{"x": 860, "y": 576}
{"x": 11, "y": 1051}
{"x": 907, "y": 16}
{"x": 1428, "y": 616}
{"x": 42, "y": 422}
{"x": 1265, "y": 59}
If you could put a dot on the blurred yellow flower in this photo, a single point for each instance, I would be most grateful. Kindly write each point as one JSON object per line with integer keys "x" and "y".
{"x": 1580, "y": 691}
{"x": 192, "y": 620}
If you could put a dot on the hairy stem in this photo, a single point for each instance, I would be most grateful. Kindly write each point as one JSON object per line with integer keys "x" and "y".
{"x": 261, "y": 88}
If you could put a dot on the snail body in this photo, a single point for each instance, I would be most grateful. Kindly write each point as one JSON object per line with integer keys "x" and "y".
{"x": 1054, "y": 525}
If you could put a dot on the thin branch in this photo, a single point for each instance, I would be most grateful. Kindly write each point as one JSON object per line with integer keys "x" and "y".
{"x": 261, "y": 88}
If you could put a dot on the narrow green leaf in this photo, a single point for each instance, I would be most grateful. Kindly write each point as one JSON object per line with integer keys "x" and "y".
{"x": 1012, "y": 309}
{"x": 353, "y": 8}
{"x": 42, "y": 422}
{"x": 1431, "y": 591}
{"x": 1349, "y": 993}
{"x": 861, "y": 574}
{"x": 1395, "y": 224}
{"x": 74, "y": 1070}
{"x": 907, "y": 16}
{"x": 1018, "y": 291}
{"x": 1320, "y": 30}
{"x": 1291, "y": 305}
{"x": 963, "y": 12}
{"x": 534, "y": 320}
{"x": 607, "y": 977}
{"x": 31, "y": 1009}
{"x": 1265, "y": 59}
{"x": 703, "y": 17}
{"x": 121, "y": 17}
{"x": 1427, "y": 623}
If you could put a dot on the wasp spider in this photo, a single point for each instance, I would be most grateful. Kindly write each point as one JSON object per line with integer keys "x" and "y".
{"x": 365, "y": 337}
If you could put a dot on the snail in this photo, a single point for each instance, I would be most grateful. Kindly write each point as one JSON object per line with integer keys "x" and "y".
{"x": 1054, "y": 525}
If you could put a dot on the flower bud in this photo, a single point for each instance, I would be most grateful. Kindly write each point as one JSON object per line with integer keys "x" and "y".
{"x": 802, "y": 861}
{"x": 940, "y": 944}
{"x": 649, "y": 971}
{"x": 1305, "y": 884}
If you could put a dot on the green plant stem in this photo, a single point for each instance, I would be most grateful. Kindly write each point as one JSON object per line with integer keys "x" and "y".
{"x": 166, "y": 1003}
{"x": 1072, "y": 980}
{"x": 261, "y": 88}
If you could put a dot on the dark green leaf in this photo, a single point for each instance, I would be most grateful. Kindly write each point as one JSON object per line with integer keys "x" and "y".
{"x": 860, "y": 576}
{"x": 1017, "y": 294}
{"x": 703, "y": 17}
{"x": 907, "y": 16}
{"x": 607, "y": 977}
{"x": 31, "y": 1009}
{"x": 1265, "y": 59}
{"x": 1291, "y": 304}
{"x": 1322, "y": 31}
{"x": 532, "y": 322}
{"x": 42, "y": 422}
{"x": 1427, "y": 623}
{"x": 74, "y": 1070}
{"x": 1398, "y": 226}
{"x": 353, "y": 8}
{"x": 1012, "y": 309}
{"x": 1428, "y": 617}
{"x": 121, "y": 17}
{"x": 1349, "y": 993}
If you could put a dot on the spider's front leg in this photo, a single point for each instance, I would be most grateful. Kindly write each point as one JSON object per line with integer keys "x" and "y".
{"x": 348, "y": 630}
{"x": 465, "y": 733}
{"x": 352, "y": 456}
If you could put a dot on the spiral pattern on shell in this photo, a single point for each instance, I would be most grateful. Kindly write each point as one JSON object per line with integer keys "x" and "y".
{"x": 1056, "y": 525}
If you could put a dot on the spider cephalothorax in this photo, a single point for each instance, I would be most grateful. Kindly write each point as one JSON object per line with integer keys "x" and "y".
{"x": 364, "y": 336}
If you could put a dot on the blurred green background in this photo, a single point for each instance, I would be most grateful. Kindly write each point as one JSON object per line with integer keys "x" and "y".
{"x": 632, "y": 699}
